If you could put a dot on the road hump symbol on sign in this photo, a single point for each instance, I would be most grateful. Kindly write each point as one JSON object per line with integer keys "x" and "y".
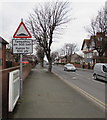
{"x": 22, "y": 32}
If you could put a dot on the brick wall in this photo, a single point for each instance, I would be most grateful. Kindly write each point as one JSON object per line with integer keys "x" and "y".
{"x": 77, "y": 65}
{"x": 5, "y": 86}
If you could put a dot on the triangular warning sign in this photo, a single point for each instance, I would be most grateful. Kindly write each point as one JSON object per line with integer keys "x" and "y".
{"x": 22, "y": 32}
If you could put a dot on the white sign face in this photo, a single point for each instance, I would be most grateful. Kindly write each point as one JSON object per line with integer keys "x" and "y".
{"x": 22, "y": 46}
{"x": 22, "y": 30}
{"x": 14, "y": 89}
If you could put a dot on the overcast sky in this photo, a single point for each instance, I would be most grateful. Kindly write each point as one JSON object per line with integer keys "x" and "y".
{"x": 82, "y": 10}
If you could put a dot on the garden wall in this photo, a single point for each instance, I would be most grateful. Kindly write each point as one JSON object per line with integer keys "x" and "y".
{"x": 5, "y": 85}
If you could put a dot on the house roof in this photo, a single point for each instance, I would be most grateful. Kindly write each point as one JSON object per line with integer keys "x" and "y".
{"x": 3, "y": 41}
{"x": 87, "y": 41}
{"x": 76, "y": 55}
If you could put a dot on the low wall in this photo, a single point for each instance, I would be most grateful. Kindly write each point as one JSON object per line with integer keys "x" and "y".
{"x": 5, "y": 86}
{"x": 26, "y": 70}
{"x": 77, "y": 65}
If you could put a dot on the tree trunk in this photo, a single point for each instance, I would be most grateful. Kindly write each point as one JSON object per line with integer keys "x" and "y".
{"x": 49, "y": 59}
{"x": 69, "y": 59}
{"x": 50, "y": 66}
{"x": 42, "y": 63}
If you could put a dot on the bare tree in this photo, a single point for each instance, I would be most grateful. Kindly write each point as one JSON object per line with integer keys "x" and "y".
{"x": 71, "y": 48}
{"x": 40, "y": 54}
{"x": 98, "y": 31}
{"x": 99, "y": 23}
{"x": 54, "y": 55}
{"x": 45, "y": 21}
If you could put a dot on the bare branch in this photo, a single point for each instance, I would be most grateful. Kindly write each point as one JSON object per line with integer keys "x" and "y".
{"x": 45, "y": 20}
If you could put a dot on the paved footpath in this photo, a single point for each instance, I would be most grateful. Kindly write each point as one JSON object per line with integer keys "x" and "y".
{"x": 47, "y": 96}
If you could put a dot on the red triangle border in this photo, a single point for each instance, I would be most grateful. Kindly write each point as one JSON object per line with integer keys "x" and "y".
{"x": 14, "y": 36}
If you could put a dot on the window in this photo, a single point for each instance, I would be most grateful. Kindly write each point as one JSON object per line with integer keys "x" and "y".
{"x": 100, "y": 39}
{"x": 104, "y": 68}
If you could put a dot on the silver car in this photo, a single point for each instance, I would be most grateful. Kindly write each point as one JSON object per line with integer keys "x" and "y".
{"x": 69, "y": 67}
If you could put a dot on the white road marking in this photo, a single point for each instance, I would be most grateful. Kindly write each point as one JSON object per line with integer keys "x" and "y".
{"x": 74, "y": 78}
{"x": 97, "y": 101}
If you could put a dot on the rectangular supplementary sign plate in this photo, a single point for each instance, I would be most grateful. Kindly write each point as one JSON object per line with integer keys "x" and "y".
{"x": 22, "y": 46}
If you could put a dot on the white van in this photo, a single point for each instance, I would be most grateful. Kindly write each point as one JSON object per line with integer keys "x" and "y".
{"x": 100, "y": 71}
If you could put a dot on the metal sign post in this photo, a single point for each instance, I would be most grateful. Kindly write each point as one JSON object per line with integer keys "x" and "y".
{"x": 21, "y": 80}
{"x": 22, "y": 44}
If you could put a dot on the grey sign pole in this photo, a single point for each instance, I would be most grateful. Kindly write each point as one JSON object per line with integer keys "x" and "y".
{"x": 21, "y": 80}
{"x": 22, "y": 45}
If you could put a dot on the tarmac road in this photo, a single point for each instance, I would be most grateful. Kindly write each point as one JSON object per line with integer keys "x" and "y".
{"x": 84, "y": 80}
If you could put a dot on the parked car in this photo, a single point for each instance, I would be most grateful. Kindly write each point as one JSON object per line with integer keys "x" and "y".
{"x": 100, "y": 71}
{"x": 69, "y": 67}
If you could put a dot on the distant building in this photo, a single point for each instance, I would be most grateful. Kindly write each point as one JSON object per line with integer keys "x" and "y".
{"x": 100, "y": 44}
{"x": 75, "y": 58}
{"x": 90, "y": 46}
{"x": 88, "y": 51}
{"x": 3, "y": 53}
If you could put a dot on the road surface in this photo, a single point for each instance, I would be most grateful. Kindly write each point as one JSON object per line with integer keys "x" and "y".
{"x": 83, "y": 81}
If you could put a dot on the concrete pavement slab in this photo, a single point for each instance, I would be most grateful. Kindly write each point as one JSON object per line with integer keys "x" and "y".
{"x": 47, "y": 96}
